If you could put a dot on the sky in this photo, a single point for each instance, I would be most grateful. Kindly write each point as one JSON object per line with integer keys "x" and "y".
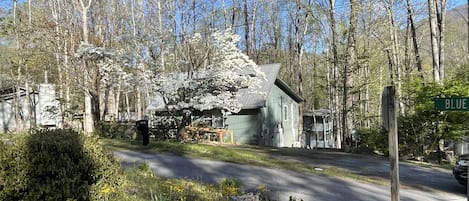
{"x": 5, "y": 4}
{"x": 455, "y": 3}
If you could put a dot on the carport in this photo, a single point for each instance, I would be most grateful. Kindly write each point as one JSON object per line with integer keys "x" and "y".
{"x": 317, "y": 127}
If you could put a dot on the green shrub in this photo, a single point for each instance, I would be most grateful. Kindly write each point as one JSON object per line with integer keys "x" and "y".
{"x": 373, "y": 139}
{"x": 59, "y": 165}
{"x": 117, "y": 130}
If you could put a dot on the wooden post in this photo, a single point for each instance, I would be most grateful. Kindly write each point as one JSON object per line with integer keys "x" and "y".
{"x": 221, "y": 134}
{"x": 388, "y": 105}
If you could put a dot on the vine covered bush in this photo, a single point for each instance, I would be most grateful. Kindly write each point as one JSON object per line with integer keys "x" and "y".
{"x": 58, "y": 165}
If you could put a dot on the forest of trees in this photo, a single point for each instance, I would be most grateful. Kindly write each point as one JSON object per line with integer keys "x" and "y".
{"x": 103, "y": 55}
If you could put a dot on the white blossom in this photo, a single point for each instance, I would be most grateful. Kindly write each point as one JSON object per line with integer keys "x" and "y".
{"x": 216, "y": 86}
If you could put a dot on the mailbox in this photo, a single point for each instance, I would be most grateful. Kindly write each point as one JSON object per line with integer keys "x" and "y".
{"x": 142, "y": 127}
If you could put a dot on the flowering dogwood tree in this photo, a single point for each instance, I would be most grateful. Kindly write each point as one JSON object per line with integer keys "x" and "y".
{"x": 106, "y": 73}
{"x": 216, "y": 85}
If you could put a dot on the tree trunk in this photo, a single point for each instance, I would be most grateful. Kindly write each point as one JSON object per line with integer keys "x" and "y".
{"x": 138, "y": 103}
{"x": 107, "y": 99}
{"x": 366, "y": 122}
{"x": 418, "y": 60}
{"x": 31, "y": 119}
{"x": 346, "y": 76}
{"x": 337, "y": 131}
{"x": 253, "y": 51}
{"x": 225, "y": 21}
{"x": 395, "y": 53}
{"x": 69, "y": 44}
{"x": 127, "y": 105}
{"x": 246, "y": 28}
{"x": 68, "y": 115}
{"x": 162, "y": 41}
{"x": 55, "y": 7}
{"x": 138, "y": 106}
{"x": 434, "y": 40}
{"x": 18, "y": 108}
{"x": 88, "y": 115}
{"x": 116, "y": 106}
{"x": 441, "y": 13}
{"x": 299, "y": 46}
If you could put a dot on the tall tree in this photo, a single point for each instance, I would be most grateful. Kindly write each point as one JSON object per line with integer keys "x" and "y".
{"x": 88, "y": 118}
{"x": 394, "y": 63}
{"x": 441, "y": 16}
{"x": 335, "y": 75}
{"x": 418, "y": 59}
{"x": 18, "y": 107}
{"x": 350, "y": 64}
{"x": 432, "y": 17}
{"x": 437, "y": 17}
{"x": 364, "y": 71}
{"x": 247, "y": 40}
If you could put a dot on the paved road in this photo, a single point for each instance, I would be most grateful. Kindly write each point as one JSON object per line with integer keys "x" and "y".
{"x": 423, "y": 178}
{"x": 281, "y": 183}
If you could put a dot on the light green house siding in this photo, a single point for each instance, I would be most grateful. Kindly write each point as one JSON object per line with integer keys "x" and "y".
{"x": 245, "y": 127}
{"x": 281, "y": 111}
{"x": 276, "y": 124}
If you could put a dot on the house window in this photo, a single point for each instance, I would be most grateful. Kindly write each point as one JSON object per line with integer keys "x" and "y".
{"x": 285, "y": 113}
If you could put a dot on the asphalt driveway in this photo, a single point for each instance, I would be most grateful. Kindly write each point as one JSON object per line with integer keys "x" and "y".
{"x": 282, "y": 183}
{"x": 417, "y": 176}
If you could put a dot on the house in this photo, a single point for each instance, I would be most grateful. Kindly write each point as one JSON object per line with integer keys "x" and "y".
{"x": 41, "y": 110}
{"x": 317, "y": 126}
{"x": 269, "y": 114}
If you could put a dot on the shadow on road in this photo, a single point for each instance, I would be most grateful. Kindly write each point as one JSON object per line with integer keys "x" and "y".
{"x": 281, "y": 183}
{"x": 423, "y": 178}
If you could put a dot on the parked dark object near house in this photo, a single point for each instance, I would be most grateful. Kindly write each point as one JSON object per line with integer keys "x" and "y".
{"x": 142, "y": 127}
{"x": 460, "y": 170}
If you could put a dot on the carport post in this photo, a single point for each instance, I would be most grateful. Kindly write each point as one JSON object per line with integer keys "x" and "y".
{"x": 388, "y": 107}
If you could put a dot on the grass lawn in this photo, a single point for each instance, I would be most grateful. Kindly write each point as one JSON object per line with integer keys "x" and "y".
{"x": 137, "y": 183}
{"x": 144, "y": 185}
{"x": 242, "y": 154}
